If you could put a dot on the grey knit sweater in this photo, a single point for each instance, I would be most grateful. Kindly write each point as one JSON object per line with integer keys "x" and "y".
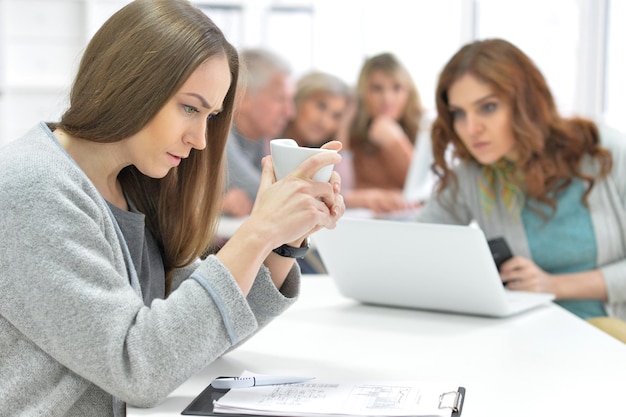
{"x": 74, "y": 333}
{"x": 607, "y": 206}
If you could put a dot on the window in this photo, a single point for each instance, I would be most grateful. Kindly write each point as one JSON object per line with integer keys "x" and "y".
{"x": 228, "y": 18}
{"x": 422, "y": 34}
{"x": 565, "y": 38}
{"x": 615, "y": 86}
{"x": 547, "y": 31}
{"x": 289, "y": 32}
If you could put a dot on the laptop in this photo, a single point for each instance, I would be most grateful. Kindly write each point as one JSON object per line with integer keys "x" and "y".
{"x": 418, "y": 265}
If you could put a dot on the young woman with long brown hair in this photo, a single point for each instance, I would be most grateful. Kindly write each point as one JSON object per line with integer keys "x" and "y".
{"x": 106, "y": 215}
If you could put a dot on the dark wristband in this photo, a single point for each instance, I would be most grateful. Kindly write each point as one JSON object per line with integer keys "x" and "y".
{"x": 291, "y": 252}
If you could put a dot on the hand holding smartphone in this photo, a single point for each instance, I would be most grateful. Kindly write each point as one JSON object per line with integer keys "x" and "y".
{"x": 499, "y": 250}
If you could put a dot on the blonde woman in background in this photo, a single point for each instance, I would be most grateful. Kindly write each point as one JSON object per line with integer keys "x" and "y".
{"x": 383, "y": 133}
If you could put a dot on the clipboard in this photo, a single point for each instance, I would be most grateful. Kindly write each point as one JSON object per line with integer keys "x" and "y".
{"x": 202, "y": 405}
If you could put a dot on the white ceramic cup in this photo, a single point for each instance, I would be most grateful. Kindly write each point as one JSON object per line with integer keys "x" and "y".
{"x": 287, "y": 155}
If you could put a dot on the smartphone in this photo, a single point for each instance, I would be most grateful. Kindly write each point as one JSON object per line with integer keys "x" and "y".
{"x": 499, "y": 250}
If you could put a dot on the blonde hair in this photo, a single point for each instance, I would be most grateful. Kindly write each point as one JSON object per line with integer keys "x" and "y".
{"x": 412, "y": 115}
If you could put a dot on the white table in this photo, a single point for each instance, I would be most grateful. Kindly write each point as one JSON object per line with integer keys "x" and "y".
{"x": 545, "y": 362}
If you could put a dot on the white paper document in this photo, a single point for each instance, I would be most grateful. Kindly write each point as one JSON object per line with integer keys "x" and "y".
{"x": 320, "y": 397}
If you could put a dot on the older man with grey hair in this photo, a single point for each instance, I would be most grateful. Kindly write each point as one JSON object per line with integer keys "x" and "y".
{"x": 266, "y": 104}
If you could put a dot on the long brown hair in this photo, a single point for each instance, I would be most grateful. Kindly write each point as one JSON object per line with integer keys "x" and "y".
{"x": 549, "y": 147}
{"x": 133, "y": 65}
{"x": 412, "y": 115}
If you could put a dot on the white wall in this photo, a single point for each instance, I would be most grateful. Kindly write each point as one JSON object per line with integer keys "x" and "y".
{"x": 578, "y": 44}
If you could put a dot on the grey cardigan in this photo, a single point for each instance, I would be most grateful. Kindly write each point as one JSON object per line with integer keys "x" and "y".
{"x": 73, "y": 332}
{"x": 607, "y": 203}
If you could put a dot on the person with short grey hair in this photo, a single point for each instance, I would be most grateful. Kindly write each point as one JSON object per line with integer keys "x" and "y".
{"x": 266, "y": 105}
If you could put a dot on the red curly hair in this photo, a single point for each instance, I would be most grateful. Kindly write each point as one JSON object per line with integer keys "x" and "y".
{"x": 550, "y": 147}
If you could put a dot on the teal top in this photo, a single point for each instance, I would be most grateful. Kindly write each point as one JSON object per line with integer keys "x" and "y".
{"x": 566, "y": 243}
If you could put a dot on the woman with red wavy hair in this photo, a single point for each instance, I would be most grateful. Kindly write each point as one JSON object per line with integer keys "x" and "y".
{"x": 553, "y": 187}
